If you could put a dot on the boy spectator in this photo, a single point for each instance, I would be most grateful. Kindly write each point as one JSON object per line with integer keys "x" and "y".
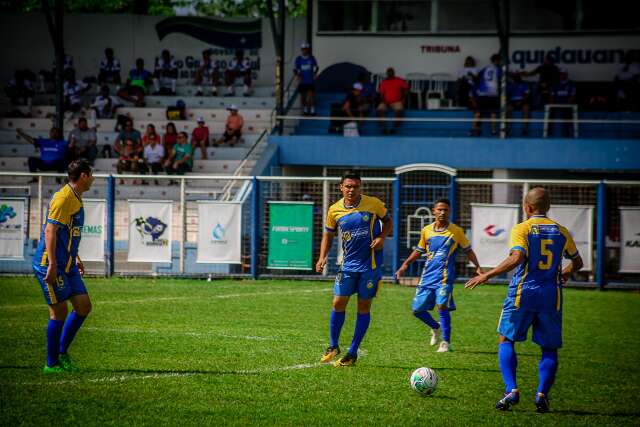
{"x": 627, "y": 83}
{"x": 487, "y": 91}
{"x": 548, "y": 73}
{"x": 153, "y": 158}
{"x": 165, "y": 75}
{"x": 136, "y": 87}
{"x": 207, "y": 74}
{"x": 82, "y": 142}
{"x": 232, "y": 128}
{"x": 53, "y": 152}
{"x": 518, "y": 96}
{"x": 130, "y": 159}
{"x": 109, "y": 69}
{"x": 73, "y": 91}
{"x": 200, "y": 137}
{"x": 180, "y": 160}
{"x": 393, "y": 92}
{"x": 238, "y": 67}
{"x": 466, "y": 82}
{"x": 306, "y": 69}
{"x": 20, "y": 88}
{"x": 104, "y": 106}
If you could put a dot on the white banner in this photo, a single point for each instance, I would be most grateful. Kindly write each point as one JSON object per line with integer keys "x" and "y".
{"x": 12, "y": 228}
{"x": 579, "y": 221}
{"x": 490, "y": 231}
{"x": 219, "y": 232}
{"x": 93, "y": 231}
{"x": 630, "y": 240}
{"x": 149, "y": 231}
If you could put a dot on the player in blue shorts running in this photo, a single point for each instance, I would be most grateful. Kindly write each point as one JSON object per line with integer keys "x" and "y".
{"x": 534, "y": 298}
{"x": 440, "y": 243}
{"x": 58, "y": 267}
{"x": 358, "y": 219}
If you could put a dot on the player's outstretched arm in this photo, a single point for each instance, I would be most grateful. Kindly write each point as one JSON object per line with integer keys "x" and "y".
{"x": 403, "y": 268}
{"x": 576, "y": 265}
{"x": 325, "y": 245}
{"x": 471, "y": 256}
{"x": 514, "y": 259}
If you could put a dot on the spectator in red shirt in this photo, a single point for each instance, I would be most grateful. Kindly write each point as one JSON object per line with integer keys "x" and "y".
{"x": 393, "y": 92}
{"x": 170, "y": 138}
{"x": 150, "y": 135}
{"x": 200, "y": 137}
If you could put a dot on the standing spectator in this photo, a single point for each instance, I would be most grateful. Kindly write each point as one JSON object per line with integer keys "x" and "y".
{"x": 153, "y": 158}
{"x": 104, "y": 106}
{"x": 200, "y": 137}
{"x": 180, "y": 160}
{"x": 130, "y": 159}
{"x": 232, "y": 128}
{"x": 367, "y": 94}
{"x": 82, "y": 142}
{"x": 53, "y": 151}
{"x": 150, "y": 135}
{"x": 548, "y": 74}
{"x": 352, "y": 107}
{"x": 207, "y": 74}
{"x": 20, "y": 88}
{"x": 393, "y": 93}
{"x": 170, "y": 138}
{"x": 488, "y": 90}
{"x": 306, "y": 69}
{"x": 238, "y": 67}
{"x": 564, "y": 92}
{"x": 136, "y": 87}
{"x": 518, "y": 97}
{"x": 627, "y": 83}
{"x": 73, "y": 91}
{"x": 466, "y": 82}
{"x": 128, "y": 133}
{"x": 109, "y": 69}
{"x": 165, "y": 75}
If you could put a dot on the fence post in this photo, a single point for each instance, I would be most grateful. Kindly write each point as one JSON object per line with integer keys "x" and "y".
{"x": 396, "y": 226}
{"x": 601, "y": 227}
{"x": 255, "y": 226}
{"x": 325, "y": 208}
{"x": 453, "y": 199}
{"x": 183, "y": 223}
{"x": 40, "y": 208}
{"x": 111, "y": 208}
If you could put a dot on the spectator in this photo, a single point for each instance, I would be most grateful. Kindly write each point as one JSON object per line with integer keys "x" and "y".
{"x": 82, "y": 142}
{"x": 73, "y": 91}
{"x": 104, "y": 106}
{"x": 136, "y": 87}
{"x": 564, "y": 92}
{"x": 518, "y": 99}
{"x": 232, "y": 128}
{"x": 351, "y": 107}
{"x": 200, "y": 137}
{"x": 130, "y": 159}
{"x": 548, "y": 73}
{"x": 367, "y": 94}
{"x": 238, "y": 67}
{"x": 466, "y": 81}
{"x": 20, "y": 88}
{"x": 306, "y": 69}
{"x": 46, "y": 76}
{"x": 129, "y": 133}
{"x": 170, "y": 138}
{"x": 487, "y": 91}
{"x": 109, "y": 69}
{"x": 153, "y": 158}
{"x": 393, "y": 94}
{"x": 53, "y": 152}
{"x": 150, "y": 135}
{"x": 180, "y": 160}
{"x": 165, "y": 75}
{"x": 207, "y": 74}
{"x": 627, "y": 83}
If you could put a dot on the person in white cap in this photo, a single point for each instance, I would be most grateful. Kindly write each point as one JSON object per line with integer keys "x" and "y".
{"x": 351, "y": 106}
{"x": 200, "y": 137}
{"x": 232, "y": 128}
{"x": 306, "y": 70}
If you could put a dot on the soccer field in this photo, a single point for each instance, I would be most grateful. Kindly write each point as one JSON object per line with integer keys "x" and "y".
{"x": 243, "y": 352}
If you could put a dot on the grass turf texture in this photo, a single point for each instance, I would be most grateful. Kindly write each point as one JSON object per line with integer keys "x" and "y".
{"x": 241, "y": 352}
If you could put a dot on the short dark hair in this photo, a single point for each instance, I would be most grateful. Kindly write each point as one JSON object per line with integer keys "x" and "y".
{"x": 350, "y": 174}
{"x": 82, "y": 119}
{"x": 186, "y": 135}
{"x": 442, "y": 200}
{"x": 77, "y": 168}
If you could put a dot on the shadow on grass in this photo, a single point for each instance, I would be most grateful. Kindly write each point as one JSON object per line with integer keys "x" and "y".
{"x": 437, "y": 368}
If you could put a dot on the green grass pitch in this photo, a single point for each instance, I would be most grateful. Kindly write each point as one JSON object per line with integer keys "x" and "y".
{"x": 187, "y": 352}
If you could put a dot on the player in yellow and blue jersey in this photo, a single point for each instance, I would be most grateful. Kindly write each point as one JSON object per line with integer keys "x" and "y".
{"x": 534, "y": 298}
{"x": 357, "y": 217}
{"x": 440, "y": 243}
{"x": 59, "y": 269}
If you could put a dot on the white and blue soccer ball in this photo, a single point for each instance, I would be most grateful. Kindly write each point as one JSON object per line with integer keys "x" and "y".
{"x": 424, "y": 381}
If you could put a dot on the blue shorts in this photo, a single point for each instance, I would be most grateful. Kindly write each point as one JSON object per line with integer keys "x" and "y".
{"x": 547, "y": 325}
{"x": 68, "y": 285}
{"x": 426, "y": 298}
{"x": 365, "y": 284}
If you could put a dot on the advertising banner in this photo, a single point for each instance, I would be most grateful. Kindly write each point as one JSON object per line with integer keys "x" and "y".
{"x": 579, "y": 221}
{"x": 490, "y": 231}
{"x": 219, "y": 232}
{"x": 12, "y": 228}
{"x": 149, "y": 231}
{"x": 630, "y": 240}
{"x": 93, "y": 230}
{"x": 290, "y": 235}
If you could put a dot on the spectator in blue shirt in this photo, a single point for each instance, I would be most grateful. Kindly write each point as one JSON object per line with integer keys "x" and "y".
{"x": 53, "y": 152}
{"x": 518, "y": 94}
{"x": 306, "y": 69}
{"x": 564, "y": 92}
{"x": 488, "y": 94}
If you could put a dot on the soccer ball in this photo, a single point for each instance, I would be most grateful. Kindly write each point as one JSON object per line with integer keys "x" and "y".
{"x": 424, "y": 381}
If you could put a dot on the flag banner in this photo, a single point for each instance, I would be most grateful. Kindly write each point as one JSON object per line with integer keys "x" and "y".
{"x": 93, "y": 231}
{"x": 219, "y": 232}
{"x": 290, "y": 235}
{"x": 579, "y": 221}
{"x": 630, "y": 240}
{"x": 490, "y": 231}
{"x": 149, "y": 231}
{"x": 12, "y": 228}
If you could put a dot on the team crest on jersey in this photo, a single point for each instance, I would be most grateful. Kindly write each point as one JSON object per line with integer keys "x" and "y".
{"x": 365, "y": 217}
{"x": 369, "y": 284}
{"x": 535, "y": 229}
{"x": 346, "y": 236}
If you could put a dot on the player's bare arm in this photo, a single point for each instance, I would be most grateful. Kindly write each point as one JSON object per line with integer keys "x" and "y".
{"x": 471, "y": 256}
{"x": 576, "y": 265}
{"x": 50, "y": 237}
{"x": 403, "y": 268}
{"x": 80, "y": 265}
{"x": 387, "y": 228}
{"x": 514, "y": 259}
{"x": 325, "y": 245}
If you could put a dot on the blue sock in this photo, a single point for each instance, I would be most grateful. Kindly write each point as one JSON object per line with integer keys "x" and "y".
{"x": 71, "y": 326}
{"x": 335, "y": 326}
{"x": 547, "y": 370}
{"x": 508, "y": 364}
{"x": 427, "y": 319}
{"x": 362, "y": 324}
{"x": 445, "y": 324}
{"x": 54, "y": 328}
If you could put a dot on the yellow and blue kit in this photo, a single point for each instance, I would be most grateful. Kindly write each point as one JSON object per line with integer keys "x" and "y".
{"x": 534, "y": 297}
{"x": 66, "y": 211}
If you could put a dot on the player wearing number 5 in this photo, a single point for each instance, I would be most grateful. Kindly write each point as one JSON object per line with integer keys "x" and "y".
{"x": 534, "y": 298}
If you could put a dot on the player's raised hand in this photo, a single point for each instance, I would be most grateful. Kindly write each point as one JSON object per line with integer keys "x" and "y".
{"x": 320, "y": 265}
{"x": 377, "y": 243}
{"x": 478, "y": 280}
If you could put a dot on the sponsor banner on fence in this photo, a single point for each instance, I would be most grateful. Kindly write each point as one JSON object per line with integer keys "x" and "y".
{"x": 630, "y": 240}
{"x": 290, "y": 235}
{"x": 579, "y": 221}
{"x": 12, "y": 228}
{"x": 93, "y": 231}
{"x": 490, "y": 231}
{"x": 219, "y": 232}
{"x": 149, "y": 231}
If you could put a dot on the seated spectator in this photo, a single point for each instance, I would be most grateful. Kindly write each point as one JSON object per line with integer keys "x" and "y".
{"x": 368, "y": 93}
{"x": 393, "y": 93}
{"x": 180, "y": 161}
{"x": 518, "y": 99}
{"x": 238, "y": 67}
{"x": 207, "y": 74}
{"x": 136, "y": 87}
{"x": 466, "y": 81}
{"x": 200, "y": 137}
{"x": 150, "y": 135}
{"x": 548, "y": 73}
{"x": 20, "y": 88}
{"x": 109, "y": 69}
{"x": 487, "y": 94}
{"x": 563, "y": 92}
{"x": 306, "y": 70}
{"x": 232, "y": 128}
{"x": 627, "y": 82}
{"x": 53, "y": 152}
{"x": 153, "y": 158}
{"x": 165, "y": 75}
{"x": 104, "y": 106}
{"x": 46, "y": 76}
{"x": 128, "y": 133}
{"x": 73, "y": 91}
{"x": 82, "y": 142}
{"x": 170, "y": 138}
{"x": 130, "y": 159}
{"x": 351, "y": 107}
